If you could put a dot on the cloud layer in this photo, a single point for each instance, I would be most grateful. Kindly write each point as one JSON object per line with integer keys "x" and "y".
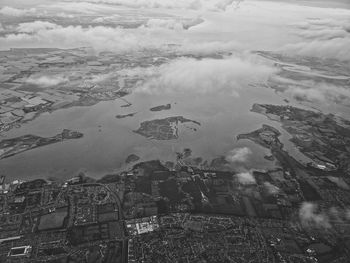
{"x": 157, "y": 34}
{"x": 325, "y": 38}
{"x": 326, "y": 92}
{"x": 11, "y": 11}
{"x": 45, "y": 34}
{"x": 213, "y": 5}
{"x": 175, "y": 24}
{"x": 207, "y": 75}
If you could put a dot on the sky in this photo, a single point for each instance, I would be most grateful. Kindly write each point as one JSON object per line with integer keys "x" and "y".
{"x": 223, "y": 24}
{"x": 324, "y": 3}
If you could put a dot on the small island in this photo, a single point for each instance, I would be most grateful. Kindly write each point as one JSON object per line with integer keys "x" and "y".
{"x": 132, "y": 158}
{"x": 24, "y": 143}
{"x": 122, "y": 116}
{"x": 163, "y": 129}
{"x": 161, "y": 107}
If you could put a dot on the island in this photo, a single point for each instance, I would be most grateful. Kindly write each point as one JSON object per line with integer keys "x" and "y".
{"x": 122, "y": 116}
{"x": 161, "y": 107}
{"x": 163, "y": 129}
{"x": 132, "y": 158}
{"x": 10, "y": 147}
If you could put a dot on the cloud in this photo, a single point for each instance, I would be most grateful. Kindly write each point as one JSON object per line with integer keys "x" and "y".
{"x": 324, "y": 38}
{"x": 192, "y": 22}
{"x": 202, "y": 76}
{"x": 47, "y": 11}
{"x": 164, "y": 23}
{"x": 212, "y": 5}
{"x": 33, "y": 27}
{"x": 11, "y": 11}
{"x": 309, "y": 216}
{"x": 46, "y": 81}
{"x": 41, "y": 34}
{"x": 100, "y": 77}
{"x": 207, "y": 47}
{"x": 159, "y": 36}
{"x": 238, "y": 155}
{"x": 326, "y": 23}
{"x": 337, "y": 48}
{"x": 173, "y": 24}
{"x": 320, "y": 92}
{"x": 106, "y": 19}
{"x": 101, "y": 38}
{"x": 83, "y": 7}
{"x": 245, "y": 178}
{"x": 327, "y": 90}
{"x": 271, "y": 189}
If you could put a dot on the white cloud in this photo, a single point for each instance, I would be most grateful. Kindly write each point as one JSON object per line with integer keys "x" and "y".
{"x": 83, "y": 7}
{"x": 174, "y": 24}
{"x": 271, "y": 189}
{"x": 100, "y": 78}
{"x": 245, "y": 178}
{"x": 11, "y": 11}
{"x": 193, "y": 22}
{"x": 115, "y": 39}
{"x": 106, "y": 19}
{"x": 337, "y": 48}
{"x": 35, "y": 26}
{"x": 46, "y": 81}
{"x": 164, "y": 23}
{"x": 47, "y": 11}
{"x": 99, "y": 37}
{"x": 320, "y": 92}
{"x": 315, "y": 90}
{"x": 325, "y": 38}
{"x": 207, "y": 75}
{"x": 238, "y": 155}
{"x": 212, "y": 5}
{"x": 309, "y": 216}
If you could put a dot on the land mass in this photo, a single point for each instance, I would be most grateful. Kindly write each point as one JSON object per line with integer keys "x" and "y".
{"x": 121, "y": 116}
{"x": 323, "y": 138}
{"x": 130, "y": 216}
{"x": 163, "y": 129}
{"x": 161, "y": 107}
{"x": 10, "y": 147}
{"x": 132, "y": 158}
